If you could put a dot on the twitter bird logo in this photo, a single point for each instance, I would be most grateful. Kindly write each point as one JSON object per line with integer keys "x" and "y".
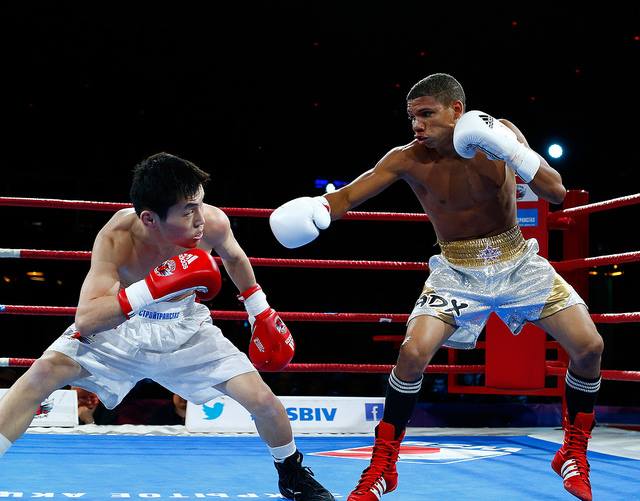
{"x": 213, "y": 412}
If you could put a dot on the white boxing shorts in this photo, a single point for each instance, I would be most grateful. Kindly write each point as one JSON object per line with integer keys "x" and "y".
{"x": 504, "y": 274}
{"x": 173, "y": 343}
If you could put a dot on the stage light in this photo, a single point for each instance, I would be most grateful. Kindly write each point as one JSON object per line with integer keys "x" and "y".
{"x": 555, "y": 151}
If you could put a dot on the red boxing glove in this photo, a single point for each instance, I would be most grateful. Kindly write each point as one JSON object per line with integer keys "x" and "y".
{"x": 271, "y": 347}
{"x": 194, "y": 270}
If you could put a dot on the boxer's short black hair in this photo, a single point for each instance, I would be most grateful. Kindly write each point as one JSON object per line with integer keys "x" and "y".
{"x": 440, "y": 86}
{"x": 161, "y": 180}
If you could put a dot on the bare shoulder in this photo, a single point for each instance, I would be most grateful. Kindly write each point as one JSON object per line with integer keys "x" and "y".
{"x": 399, "y": 160}
{"x": 399, "y": 156}
{"x": 216, "y": 225}
{"x": 124, "y": 219}
{"x": 115, "y": 241}
{"x": 411, "y": 155}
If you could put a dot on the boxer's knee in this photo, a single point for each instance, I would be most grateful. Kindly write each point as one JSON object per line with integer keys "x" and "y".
{"x": 264, "y": 403}
{"x": 585, "y": 358}
{"x": 412, "y": 360}
{"x": 36, "y": 383}
{"x": 425, "y": 335}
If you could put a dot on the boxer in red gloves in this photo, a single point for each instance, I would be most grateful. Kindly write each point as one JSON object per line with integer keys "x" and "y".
{"x": 271, "y": 347}
{"x": 139, "y": 317}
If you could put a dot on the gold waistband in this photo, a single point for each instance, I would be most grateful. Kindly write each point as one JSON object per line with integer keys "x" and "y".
{"x": 478, "y": 252}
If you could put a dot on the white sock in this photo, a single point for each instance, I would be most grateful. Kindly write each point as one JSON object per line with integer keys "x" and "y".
{"x": 5, "y": 443}
{"x": 283, "y": 452}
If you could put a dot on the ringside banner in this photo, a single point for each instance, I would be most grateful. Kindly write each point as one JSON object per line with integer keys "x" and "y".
{"x": 306, "y": 414}
{"x": 59, "y": 409}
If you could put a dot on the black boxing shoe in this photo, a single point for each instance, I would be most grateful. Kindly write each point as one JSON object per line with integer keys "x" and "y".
{"x": 296, "y": 481}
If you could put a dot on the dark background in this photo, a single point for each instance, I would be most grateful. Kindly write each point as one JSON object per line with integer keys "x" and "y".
{"x": 268, "y": 97}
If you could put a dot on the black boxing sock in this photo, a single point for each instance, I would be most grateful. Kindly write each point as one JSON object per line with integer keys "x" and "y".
{"x": 400, "y": 401}
{"x": 581, "y": 394}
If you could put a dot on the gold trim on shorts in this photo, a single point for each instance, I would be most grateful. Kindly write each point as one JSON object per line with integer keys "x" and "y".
{"x": 447, "y": 318}
{"x": 557, "y": 298}
{"x": 478, "y": 252}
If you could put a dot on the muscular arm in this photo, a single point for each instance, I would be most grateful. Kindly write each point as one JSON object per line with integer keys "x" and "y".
{"x": 547, "y": 182}
{"x": 367, "y": 185}
{"x": 218, "y": 234}
{"x": 98, "y": 307}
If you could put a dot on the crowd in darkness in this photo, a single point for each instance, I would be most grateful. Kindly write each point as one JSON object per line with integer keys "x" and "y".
{"x": 272, "y": 105}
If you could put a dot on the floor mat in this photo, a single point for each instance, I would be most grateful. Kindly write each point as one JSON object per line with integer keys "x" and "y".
{"x": 178, "y": 467}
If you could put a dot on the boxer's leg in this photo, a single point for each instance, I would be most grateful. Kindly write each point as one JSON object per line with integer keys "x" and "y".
{"x": 270, "y": 417}
{"x": 425, "y": 335}
{"x": 272, "y": 423}
{"x": 50, "y": 372}
{"x": 577, "y": 334}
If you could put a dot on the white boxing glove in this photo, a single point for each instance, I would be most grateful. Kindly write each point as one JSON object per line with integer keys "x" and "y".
{"x": 300, "y": 220}
{"x": 476, "y": 130}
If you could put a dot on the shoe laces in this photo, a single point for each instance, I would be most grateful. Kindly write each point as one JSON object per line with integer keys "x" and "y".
{"x": 385, "y": 454}
{"x": 300, "y": 476}
{"x": 576, "y": 442}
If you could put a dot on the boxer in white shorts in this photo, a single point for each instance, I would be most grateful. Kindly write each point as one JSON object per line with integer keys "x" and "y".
{"x": 173, "y": 343}
{"x": 462, "y": 168}
{"x": 137, "y": 317}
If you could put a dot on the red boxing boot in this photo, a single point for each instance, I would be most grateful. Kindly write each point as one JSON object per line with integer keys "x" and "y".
{"x": 380, "y": 476}
{"x": 570, "y": 462}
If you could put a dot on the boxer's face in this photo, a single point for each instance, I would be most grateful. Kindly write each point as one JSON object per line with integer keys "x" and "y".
{"x": 431, "y": 121}
{"x": 184, "y": 224}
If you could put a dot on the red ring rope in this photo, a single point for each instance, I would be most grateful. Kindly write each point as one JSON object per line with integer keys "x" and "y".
{"x": 255, "y": 261}
{"x": 552, "y": 219}
{"x": 53, "y": 203}
{"x": 551, "y": 370}
{"x": 559, "y": 219}
{"x": 614, "y": 203}
{"x": 296, "y": 316}
{"x": 568, "y": 265}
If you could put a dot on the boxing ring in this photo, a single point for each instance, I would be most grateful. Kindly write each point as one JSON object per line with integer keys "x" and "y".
{"x": 98, "y": 462}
